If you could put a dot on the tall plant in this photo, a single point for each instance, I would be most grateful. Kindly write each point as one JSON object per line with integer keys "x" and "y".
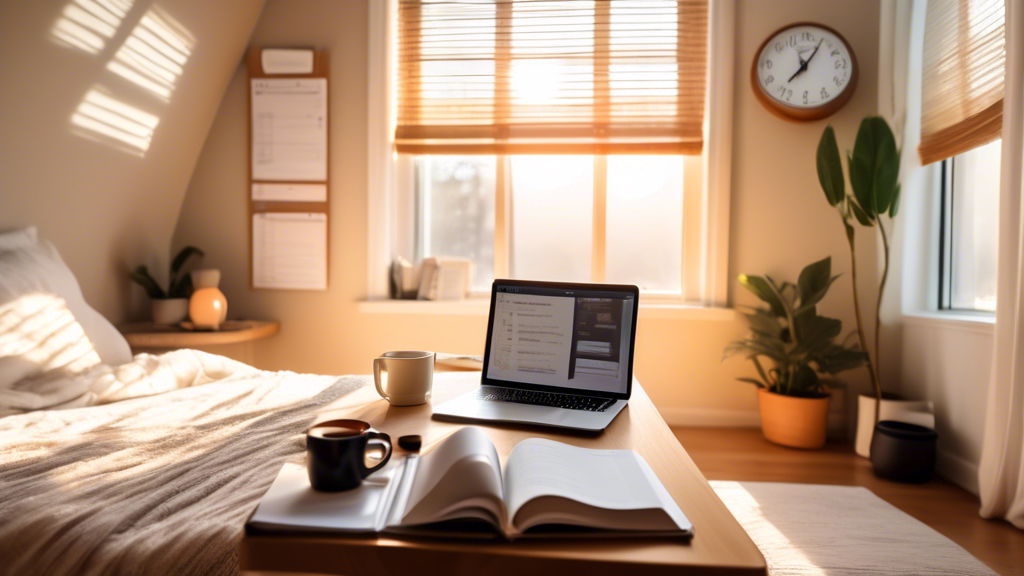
{"x": 873, "y": 168}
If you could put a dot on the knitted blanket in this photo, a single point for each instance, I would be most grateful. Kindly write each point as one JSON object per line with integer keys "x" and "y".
{"x": 155, "y": 483}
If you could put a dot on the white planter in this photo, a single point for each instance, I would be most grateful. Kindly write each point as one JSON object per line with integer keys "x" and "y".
{"x": 917, "y": 412}
{"x": 170, "y": 310}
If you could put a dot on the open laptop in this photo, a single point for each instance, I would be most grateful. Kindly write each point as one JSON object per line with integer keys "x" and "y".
{"x": 557, "y": 354}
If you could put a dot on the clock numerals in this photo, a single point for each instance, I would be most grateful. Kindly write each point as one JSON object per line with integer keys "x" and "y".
{"x": 805, "y": 97}
{"x": 837, "y": 81}
{"x": 841, "y": 64}
{"x": 769, "y": 80}
{"x": 807, "y": 37}
{"x": 824, "y": 93}
{"x": 835, "y": 53}
{"x": 767, "y": 64}
{"x": 779, "y": 46}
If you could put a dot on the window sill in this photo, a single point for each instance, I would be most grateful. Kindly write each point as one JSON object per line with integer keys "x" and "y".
{"x": 980, "y": 322}
{"x": 481, "y": 307}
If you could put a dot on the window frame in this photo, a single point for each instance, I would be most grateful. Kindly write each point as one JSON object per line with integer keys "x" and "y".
{"x": 707, "y": 178}
{"x": 947, "y": 180}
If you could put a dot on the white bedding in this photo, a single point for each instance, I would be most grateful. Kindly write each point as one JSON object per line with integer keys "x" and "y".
{"x": 160, "y": 474}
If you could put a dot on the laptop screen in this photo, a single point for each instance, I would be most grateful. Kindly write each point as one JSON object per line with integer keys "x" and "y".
{"x": 562, "y": 337}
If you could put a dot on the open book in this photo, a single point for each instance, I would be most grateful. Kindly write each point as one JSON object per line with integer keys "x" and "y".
{"x": 546, "y": 489}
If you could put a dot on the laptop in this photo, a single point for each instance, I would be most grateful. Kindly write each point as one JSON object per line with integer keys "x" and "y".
{"x": 558, "y": 354}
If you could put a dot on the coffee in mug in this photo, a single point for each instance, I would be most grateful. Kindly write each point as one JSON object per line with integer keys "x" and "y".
{"x": 410, "y": 376}
{"x": 336, "y": 453}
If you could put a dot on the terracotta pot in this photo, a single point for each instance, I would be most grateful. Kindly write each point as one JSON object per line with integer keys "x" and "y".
{"x": 794, "y": 422}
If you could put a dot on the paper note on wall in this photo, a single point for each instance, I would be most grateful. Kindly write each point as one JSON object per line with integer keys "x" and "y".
{"x": 289, "y": 129}
{"x": 289, "y": 250}
{"x": 289, "y": 192}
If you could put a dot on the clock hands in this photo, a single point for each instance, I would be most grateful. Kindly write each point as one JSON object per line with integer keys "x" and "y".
{"x": 804, "y": 63}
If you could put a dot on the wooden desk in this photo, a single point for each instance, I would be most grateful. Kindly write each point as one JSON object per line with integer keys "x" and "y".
{"x": 719, "y": 545}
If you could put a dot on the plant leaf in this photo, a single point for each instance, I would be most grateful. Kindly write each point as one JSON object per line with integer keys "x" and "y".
{"x": 814, "y": 277}
{"x": 759, "y": 287}
{"x": 181, "y": 287}
{"x": 813, "y": 299}
{"x": 830, "y": 167}
{"x": 859, "y": 213}
{"x": 185, "y": 253}
{"x": 753, "y": 381}
{"x": 142, "y": 277}
{"x": 816, "y": 331}
{"x": 874, "y": 166}
{"x": 895, "y": 206}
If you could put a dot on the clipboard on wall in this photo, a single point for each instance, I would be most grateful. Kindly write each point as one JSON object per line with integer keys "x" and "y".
{"x": 289, "y": 173}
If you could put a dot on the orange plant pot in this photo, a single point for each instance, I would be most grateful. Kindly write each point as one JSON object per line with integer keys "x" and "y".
{"x": 793, "y": 422}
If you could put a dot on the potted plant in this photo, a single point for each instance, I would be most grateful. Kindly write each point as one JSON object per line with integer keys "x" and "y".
{"x": 798, "y": 345}
{"x": 170, "y": 307}
{"x": 874, "y": 178}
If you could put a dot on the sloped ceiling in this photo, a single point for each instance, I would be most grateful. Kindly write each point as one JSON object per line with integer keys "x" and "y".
{"x": 104, "y": 108}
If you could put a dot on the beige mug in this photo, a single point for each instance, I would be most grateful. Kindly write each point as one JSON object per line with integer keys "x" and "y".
{"x": 410, "y": 376}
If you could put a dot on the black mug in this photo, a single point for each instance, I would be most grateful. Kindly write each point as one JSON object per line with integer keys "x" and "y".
{"x": 336, "y": 454}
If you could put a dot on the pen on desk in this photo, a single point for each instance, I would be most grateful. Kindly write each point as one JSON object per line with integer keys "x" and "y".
{"x": 411, "y": 443}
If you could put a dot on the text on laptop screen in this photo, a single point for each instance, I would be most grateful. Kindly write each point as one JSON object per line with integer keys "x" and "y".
{"x": 558, "y": 337}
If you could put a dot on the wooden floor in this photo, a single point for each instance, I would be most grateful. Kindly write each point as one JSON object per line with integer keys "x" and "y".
{"x": 743, "y": 454}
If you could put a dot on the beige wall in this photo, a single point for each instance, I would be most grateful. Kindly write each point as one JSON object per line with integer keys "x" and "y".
{"x": 106, "y": 209}
{"x": 780, "y": 219}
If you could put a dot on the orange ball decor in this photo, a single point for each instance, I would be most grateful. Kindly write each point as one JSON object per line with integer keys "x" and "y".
{"x": 208, "y": 308}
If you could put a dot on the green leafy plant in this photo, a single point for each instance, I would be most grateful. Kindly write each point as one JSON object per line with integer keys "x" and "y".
{"x": 798, "y": 343}
{"x": 874, "y": 167}
{"x": 180, "y": 286}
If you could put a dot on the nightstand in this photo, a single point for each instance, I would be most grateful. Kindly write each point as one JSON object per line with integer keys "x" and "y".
{"x": 147, "y": 335}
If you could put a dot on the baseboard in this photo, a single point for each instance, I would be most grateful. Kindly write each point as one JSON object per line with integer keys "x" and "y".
{"x": 958, "y": 470}
{"x": 710, "y": 417}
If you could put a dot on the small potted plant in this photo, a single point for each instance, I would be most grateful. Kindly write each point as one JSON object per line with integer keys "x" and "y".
{"x": 790, "y": 346}
{"x": 170, "y": 307}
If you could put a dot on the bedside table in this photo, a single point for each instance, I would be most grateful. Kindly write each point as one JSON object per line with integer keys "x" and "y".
{"x": 147, "y": 335}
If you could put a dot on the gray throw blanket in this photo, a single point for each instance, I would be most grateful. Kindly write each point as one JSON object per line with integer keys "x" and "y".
{"x": 159, "y": 484}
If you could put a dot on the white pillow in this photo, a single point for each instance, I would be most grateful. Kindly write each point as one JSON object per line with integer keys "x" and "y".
{"x": 17, "y": 239}
{"x": 40, "y": 268}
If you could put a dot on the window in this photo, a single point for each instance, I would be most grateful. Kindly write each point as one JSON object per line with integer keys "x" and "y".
{"x": 616, "y": 219}
{"x": 970, "y": 221}
{"x": 554, "y": 140}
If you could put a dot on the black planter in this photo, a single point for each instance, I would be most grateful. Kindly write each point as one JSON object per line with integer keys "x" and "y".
{"x": 903, "y": 452}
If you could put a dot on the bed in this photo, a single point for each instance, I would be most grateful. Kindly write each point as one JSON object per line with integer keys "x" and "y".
{"x": 113, "y": 464}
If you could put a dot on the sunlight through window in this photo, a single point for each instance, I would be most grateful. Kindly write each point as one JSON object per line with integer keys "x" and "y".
{"x": 104, "y": 118}
{"x": 154, "y": 54}
{"x": 85, "y": 24}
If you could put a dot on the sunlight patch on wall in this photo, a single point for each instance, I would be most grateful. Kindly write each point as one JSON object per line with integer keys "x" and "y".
{"x": 105, "y": 119}
{"x": 154, "y": 54}
{"x": 86, "y": 24}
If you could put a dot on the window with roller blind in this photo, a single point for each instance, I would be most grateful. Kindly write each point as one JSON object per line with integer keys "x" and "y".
{"x": 552, "y": 140}
{"x": 961, "y": 120}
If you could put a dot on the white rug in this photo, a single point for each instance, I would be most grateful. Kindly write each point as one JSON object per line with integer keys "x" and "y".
{"x": 809, "y": 529}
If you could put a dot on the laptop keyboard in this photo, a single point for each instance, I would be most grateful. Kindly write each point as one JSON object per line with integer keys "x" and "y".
{"x": 568, "y": 401}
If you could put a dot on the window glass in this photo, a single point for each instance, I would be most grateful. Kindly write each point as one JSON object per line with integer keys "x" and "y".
{"x": 552, "y": 217}
{"x": 645, "y": 222}
{"x": 974, "y": 223}
{"x": 456, "y": 211}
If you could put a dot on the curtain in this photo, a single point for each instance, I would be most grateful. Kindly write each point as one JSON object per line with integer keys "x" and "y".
{"x": 1001, "y": 472}
{"x": 549, "y": 77}
{"x": 962, "y": 85}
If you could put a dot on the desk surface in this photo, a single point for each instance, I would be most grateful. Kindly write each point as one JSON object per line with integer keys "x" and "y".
{"x": 719, "y": 545}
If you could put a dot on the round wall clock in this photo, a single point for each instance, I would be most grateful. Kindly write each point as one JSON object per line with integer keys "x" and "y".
{"x": 805, "y": 71}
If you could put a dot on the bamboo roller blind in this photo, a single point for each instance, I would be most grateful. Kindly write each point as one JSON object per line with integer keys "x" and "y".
{"x": 551, "y": 77}
{"x": 962, "y": 82}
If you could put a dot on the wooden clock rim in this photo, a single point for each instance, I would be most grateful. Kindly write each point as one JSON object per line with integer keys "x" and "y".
{"x": 792, "y": 113}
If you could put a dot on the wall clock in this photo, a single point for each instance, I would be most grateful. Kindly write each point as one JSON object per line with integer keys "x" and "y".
{"x": 804, "y": 71}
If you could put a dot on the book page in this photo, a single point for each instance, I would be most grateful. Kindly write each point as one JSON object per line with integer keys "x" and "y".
{"x": 603, "y": 479}
{"x": 461, "y": 478}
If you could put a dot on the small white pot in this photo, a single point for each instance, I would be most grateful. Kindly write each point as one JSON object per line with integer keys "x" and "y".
{"x": 917, "y": 412}
{"x": 170, "y": 310}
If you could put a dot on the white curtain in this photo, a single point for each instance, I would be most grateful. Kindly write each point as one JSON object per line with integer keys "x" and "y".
{"x": 1001, "y": 473}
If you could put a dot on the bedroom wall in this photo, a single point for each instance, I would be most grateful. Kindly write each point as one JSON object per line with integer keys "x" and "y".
{"x": 780, "y": 220}
{"x": 106, "y": 203}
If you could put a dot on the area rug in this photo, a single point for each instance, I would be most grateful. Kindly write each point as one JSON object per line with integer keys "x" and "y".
{"x": 809, "y": 529}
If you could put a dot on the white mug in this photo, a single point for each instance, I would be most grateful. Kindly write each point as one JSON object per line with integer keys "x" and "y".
{"x": 410, "y": 376}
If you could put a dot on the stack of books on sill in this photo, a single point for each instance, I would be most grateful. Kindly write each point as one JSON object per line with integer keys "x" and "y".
{"x": 435, "y": 278}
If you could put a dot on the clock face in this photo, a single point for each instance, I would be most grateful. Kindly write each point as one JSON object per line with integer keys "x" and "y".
{"x": 806, "y": 67}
